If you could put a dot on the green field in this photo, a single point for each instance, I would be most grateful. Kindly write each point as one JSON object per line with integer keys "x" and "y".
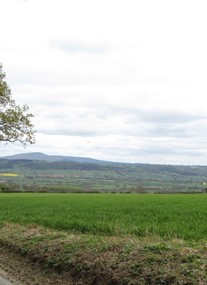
{"x": 170, "y": 216}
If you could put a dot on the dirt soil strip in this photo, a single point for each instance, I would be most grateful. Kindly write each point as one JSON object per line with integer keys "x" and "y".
{"x": 21, "y": 271}
{"x": 4, "y": 281}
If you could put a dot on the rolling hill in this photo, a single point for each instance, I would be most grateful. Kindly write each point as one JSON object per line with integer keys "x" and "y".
{"x": 52, "y": 158}
{"x": 42, "y": 171}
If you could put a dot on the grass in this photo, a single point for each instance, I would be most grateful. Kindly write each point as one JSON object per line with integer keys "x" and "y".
{"x": 110, "y": 239}
{"x": 167, "y": 216}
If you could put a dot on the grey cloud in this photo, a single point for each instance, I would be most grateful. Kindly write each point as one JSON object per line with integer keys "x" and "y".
{"x": 160, "y": 116}
{"x": 191, "y": 129}
{"x": 166, "y": 150}
{"x": 169, "y": 130}
{"x": 150, "y": 151}
{"x": 69, "y": 132}
{"x": 95, "y": 122}
{"x": 148, "y": 115}
{"x": 169, "y": 151}
{"x": 81, "y": 131}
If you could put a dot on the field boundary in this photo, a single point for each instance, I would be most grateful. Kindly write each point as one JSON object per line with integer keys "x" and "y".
{"x": 102, "y": 260}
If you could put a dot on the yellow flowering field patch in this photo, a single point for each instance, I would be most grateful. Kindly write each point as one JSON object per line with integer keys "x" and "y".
{"x": 9, "y": 174}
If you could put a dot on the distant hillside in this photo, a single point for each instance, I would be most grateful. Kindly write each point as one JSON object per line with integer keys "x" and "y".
{"x": 52, "y": 158}
{"x": 41, "y": 172}
{"x": 37, "y": 159}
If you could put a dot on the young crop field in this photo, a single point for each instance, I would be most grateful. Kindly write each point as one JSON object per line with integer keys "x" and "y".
{"x": 106, "y": 239}
{"x": 167, "y": 216}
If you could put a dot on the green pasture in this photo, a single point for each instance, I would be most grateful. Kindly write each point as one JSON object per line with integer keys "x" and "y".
{"x": 181, "y": 216}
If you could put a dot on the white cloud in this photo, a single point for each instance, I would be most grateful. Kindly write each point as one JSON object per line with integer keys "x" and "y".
{"x": 118, "y": 80}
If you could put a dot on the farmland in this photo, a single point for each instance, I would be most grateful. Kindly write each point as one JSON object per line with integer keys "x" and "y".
{"x": 107, "y": 239}
{"x": 101, "y": 177}
{"x": 105, "y": 223}
{"x": 168, "y": 216}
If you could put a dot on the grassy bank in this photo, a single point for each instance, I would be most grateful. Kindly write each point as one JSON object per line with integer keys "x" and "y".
{"x": 92, "y": 259}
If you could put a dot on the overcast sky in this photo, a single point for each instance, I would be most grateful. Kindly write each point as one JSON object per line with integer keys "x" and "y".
{"x": 120, "y": 80}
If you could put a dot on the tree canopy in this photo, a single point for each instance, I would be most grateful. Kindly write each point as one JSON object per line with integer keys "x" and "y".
{"x": 15, "y": 120}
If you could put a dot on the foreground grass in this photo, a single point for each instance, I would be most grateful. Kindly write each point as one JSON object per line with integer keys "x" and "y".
{"x": 110, "y": 239}
{"x": 168, "y": 216}
{"x": 99, "y": 260}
